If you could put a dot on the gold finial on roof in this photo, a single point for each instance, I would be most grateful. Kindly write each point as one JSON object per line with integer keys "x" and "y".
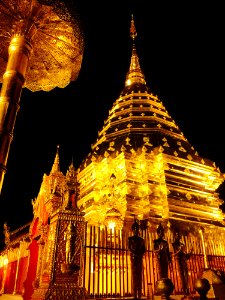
{"x": 55, "y": 167}
{"x": 133, "y": 32}
{"x": 134, "y": 74}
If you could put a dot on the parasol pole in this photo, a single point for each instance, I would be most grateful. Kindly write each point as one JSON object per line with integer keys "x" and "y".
{"x": 13, "y": 80}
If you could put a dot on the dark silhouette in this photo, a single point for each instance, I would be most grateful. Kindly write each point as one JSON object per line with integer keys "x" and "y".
{"x": 202, "y": 286}
{"x": 136, "y": 246}
{"x": 161, "y": 250}
{"x": 181, "y": 259}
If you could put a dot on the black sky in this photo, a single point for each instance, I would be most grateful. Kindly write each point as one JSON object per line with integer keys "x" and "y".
{"x": 181, "y": 51}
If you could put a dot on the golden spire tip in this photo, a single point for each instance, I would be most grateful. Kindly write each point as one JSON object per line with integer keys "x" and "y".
{"x": 133, "y": 32}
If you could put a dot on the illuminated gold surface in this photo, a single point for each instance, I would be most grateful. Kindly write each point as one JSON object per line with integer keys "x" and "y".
{"x": 135, "y": 74}
{"x": 57, "y": 48}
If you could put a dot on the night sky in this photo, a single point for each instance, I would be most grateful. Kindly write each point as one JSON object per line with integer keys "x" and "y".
{"x": 181, "y": 51}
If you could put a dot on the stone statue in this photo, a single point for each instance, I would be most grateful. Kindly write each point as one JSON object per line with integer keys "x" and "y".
{"x": 136, "y": 245}
{"x": 161, "y": 250}
{"x": 181, "y": 259}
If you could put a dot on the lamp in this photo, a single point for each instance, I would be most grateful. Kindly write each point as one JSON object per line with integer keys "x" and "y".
{"x": 113, "y": 219}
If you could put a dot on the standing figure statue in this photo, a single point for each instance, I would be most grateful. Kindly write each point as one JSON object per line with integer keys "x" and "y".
{"x": 161, "y": 250}
{"x": 136, "y": 245}
{"x": 181, "y": 259}
{"x": 70, "y": 238}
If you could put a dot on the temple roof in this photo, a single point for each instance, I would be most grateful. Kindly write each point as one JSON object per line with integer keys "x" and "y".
{"x": 139, "y": 119}
{"x": 16, "y": 236}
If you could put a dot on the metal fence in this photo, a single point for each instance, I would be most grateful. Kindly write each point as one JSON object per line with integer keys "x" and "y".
{"x": 107, "y": 265}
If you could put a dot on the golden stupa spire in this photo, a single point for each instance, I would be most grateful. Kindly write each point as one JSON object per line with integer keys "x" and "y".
{"x": 135, "y": 74}
{"x": 56, "y": 167}
{"x": 133, "y": 32}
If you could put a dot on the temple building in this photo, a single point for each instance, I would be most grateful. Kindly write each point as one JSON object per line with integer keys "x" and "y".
{"x": 140, "y": 169}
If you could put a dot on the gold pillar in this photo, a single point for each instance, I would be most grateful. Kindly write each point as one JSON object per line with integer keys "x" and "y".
{"x": 13, "y": 80}
{"x": 204, "y": 251}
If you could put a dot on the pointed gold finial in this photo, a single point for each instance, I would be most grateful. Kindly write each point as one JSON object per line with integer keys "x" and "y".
{"x": 133, "y": 32}
{"x": 55, "y": 167}
{"x": 134, "y": 74}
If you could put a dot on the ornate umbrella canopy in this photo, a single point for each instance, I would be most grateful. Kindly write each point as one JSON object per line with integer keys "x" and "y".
{"x": 53, "y": 30}
{"x": 41, "y": 48}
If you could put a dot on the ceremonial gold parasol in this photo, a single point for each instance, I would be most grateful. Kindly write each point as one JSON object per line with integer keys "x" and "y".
{"x": 41, "y": 47}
